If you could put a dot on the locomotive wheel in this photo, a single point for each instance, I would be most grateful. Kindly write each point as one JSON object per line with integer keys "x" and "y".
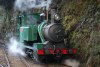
{"x": 29, "y": 52}
{"x": 44, "y": 59}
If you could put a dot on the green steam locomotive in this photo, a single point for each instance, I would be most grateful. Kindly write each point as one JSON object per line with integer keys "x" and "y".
{"x": 43, "y": 36}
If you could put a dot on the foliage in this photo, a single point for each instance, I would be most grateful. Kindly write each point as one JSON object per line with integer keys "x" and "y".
{"x": 7, "y": 25}
{"x": 81, "y": 19}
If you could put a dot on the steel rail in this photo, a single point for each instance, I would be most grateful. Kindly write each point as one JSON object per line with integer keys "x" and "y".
{"x": 24, "y": 61}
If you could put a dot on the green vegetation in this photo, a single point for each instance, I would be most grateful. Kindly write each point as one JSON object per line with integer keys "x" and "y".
{"x": 81, "y": 19}
{"x": 7, "y": 24}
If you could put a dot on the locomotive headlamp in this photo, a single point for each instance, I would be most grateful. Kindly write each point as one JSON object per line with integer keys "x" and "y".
{"x": 57, "y": 17}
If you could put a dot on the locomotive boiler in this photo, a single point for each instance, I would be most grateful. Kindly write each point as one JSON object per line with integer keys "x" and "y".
{"x": 43, "y": 38}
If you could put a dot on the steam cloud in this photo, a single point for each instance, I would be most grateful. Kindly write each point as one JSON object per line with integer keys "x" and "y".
{"x": 24, "y": 5}
{"x": 15, "y": 47}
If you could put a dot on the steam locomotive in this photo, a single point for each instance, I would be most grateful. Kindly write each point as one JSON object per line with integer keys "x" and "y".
{"x": 43, "y": 36}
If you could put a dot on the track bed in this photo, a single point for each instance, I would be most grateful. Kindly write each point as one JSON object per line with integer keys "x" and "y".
{"x": 7, "y": 60}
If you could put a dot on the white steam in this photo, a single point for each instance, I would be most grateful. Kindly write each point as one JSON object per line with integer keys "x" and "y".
{"x": 24, "y": 5}
{"x": 72, "y": 63}
{"x": 15, "y": 47}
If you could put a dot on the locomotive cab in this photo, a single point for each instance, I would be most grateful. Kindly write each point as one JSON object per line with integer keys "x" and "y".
{"x": 28, "y": 27}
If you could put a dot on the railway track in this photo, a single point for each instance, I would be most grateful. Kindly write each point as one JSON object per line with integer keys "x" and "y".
{"x": 4, "y": 62}
{"x": 24, "y": 61}
{"x": 8, "y": 63}
{"x": 15, "y": 61}
{"x": 31, "y": 63}
{"x": 8, "y": 60}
